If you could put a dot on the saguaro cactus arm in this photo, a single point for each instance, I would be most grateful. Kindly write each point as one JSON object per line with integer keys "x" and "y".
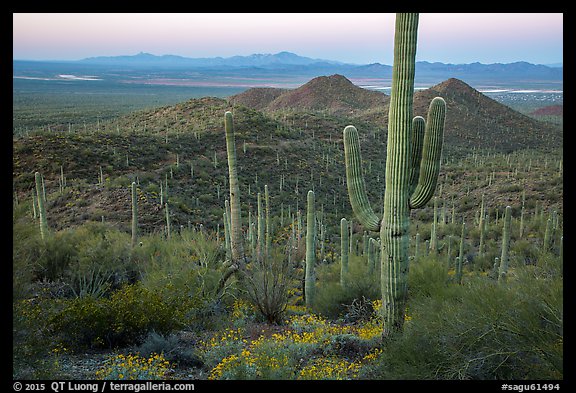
{"x": 418, "y": 129}
{"x": 431, "y": 154}
{"x": 355, "y": 181}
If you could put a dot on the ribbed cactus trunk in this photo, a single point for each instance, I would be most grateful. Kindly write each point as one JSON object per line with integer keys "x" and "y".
{"x": 433, "y": 235}
{"x": 396, "y": 219}
{"x": 310, "y": 249}
{"x": 236, "y": 245}
{"x": 167, "y": 220}
{"x": 504, "y": 257}
{"x": 414, "y": 149}
{"x": 261, "y": 248}
{"x": 344, "y": 248}
{"x": 134, "y": 215}
{"x": 41, "y": 200}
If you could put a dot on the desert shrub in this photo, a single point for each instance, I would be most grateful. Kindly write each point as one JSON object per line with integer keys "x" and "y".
{"x": 124, "y": 318}
{"x": 25, "y": 252}
{"x": 32, "y": 342}
{"x": 484, "y": 330}
{"x": 186, "y": 268}
{"x": 134, "y": 367}
{"x": 102, "y": 262}
{"x": 268, "y": 282}
{"x": 332, "y": 300}
{"x": 170, "y": 347}
{"x": 90, "y": 259}
{"x": 306, "y": 347}
{"x": 428, "y": 277}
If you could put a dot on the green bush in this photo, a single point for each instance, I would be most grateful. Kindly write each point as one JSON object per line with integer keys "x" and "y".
{"x": 332, "y": 300}
{"x": 90, "y": 259}
{"x": 481, "y": 330}
{"x": 125, "y": 318}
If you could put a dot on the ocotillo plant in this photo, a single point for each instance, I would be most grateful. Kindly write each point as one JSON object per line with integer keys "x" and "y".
{"x": 412, "y": 167}
{"x": 310, "y": 249}
{"x": 41, "y": 199}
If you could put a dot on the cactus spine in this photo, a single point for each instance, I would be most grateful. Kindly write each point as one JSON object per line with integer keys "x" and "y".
{"x": 504, "y": 257}
{"x": 412, "y": 167}
{"x": 41, "y": 199}
{"x": 310, "y": 249}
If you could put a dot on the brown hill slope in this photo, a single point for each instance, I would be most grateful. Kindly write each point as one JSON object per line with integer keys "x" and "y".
{"x": 474, "y": 119}
{"x": 257, "y": 97}
{"x": 549, "y": 110}
{"x": 335, "y": 94}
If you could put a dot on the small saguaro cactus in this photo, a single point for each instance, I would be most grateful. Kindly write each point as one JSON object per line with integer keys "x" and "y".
{"x": 414, "y": 150}
{"x": 310, "y": 249}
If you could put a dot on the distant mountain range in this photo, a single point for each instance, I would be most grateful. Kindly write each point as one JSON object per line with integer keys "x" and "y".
{"x": 254, "y": 60}
{"x": 292, "y": 62}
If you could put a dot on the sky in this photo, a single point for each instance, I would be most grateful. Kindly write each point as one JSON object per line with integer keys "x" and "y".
{"x": 358, "y": 38}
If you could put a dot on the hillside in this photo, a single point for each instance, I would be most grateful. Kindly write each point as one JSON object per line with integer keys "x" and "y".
{"x": 290, "y": 148}
{"x": 257, "y": 97}
{"x": 550, "y": 110}
{"x": 333, "y": 94}
{"x": 476, "y": 119}
{"x": 473, "y": 120}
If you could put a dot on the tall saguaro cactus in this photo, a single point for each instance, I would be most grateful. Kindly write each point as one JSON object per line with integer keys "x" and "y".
{"x": 414, "y": 149}
{"x": 310, "y": 249}
{"x": 134, "y": 215}
{"x": 41, "y": 200}
{"x": 505, "y": 256}
{"x": 238, "y": 258}
{"x": 236, "y": 245}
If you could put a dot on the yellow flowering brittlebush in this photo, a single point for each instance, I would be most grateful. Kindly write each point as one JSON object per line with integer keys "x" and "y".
{"x": 330, "y": 368}
{"x": 134, "y": 367}
{"x": 279, "y": 355}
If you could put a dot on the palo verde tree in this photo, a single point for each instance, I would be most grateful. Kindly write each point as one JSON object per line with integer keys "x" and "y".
{"x": 414, "y": 149}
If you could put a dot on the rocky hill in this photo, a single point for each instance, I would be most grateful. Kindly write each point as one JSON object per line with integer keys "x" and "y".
{"x": 333, "y": 94}
{"x": 473, "y": 119}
